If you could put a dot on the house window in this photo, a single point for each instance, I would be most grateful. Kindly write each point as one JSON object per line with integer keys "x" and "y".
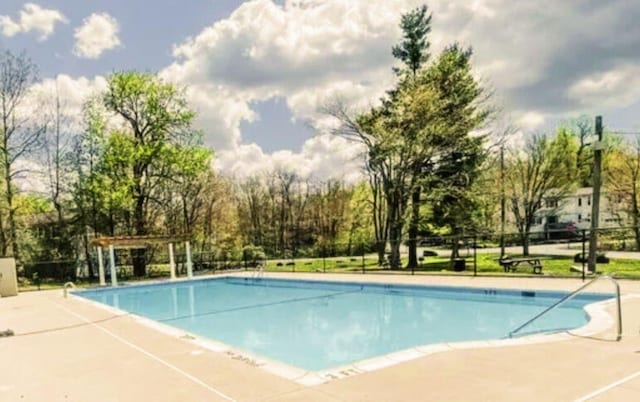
{"x": 579, "y": 201}
{"x": 537, "y": 220}
{"x": 579, "y": 217}
{"x": 588, "y": 200}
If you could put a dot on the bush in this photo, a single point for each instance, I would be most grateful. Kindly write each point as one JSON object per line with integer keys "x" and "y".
{"x": 60, "y": 270}
{"x": 600, "y": 258}
{"x": 253, "y": 254}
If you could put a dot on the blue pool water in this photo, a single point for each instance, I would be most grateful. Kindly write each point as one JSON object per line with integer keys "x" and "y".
{"x": 318, "y": 325}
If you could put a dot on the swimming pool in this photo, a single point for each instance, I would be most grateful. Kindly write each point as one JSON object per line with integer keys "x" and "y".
{"x": 317, "y": 325}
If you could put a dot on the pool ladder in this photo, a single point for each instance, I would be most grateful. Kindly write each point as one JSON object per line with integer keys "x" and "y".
{"x": 259, "y": 272}
{"x": 574, "y": 294}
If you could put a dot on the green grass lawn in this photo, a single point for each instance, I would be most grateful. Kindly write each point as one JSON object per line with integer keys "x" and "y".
{"x": 487, "y": 264}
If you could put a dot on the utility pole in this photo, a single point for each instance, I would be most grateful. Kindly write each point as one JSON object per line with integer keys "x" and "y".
{"x": 595, "y": 201}
{"x": 502, "y": 202}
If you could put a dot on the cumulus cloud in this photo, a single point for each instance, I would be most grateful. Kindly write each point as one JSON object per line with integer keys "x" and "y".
{"x": 97, "y": 34}
{"x": 32, "y": 18}
{"x": 619, "y": 86}
{"x": 322, "y": 157}
{"x": 543, "y": 59}
{"x": 304, "y": 51}
{"x": 72, "y": 91}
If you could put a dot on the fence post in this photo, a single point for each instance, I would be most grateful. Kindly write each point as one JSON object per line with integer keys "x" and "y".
{"x": 362, "y": 247}
{"x": 584, "y": 240}
{"x": 413, "y": 268}
{"x": 475, "y": 255}
{"x": 324, "y": 258}
{"x": 244, "y": 258}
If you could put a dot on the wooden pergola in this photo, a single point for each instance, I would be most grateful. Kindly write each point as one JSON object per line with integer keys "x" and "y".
{"x": 132, "y": 242}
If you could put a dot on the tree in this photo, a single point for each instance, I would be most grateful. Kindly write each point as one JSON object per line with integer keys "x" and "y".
{"x": 156, "y": 115}
{"x": 456, "y": 189}
{"x": 413, "y": 50}
{"x": 426, "y": 115}
{"x": 88, "y": 191}
{"x": 545, "y": 169}
{"x": 20, "y": 135}
{"x": 622, "y": 180}
{"x": 58, "y": 155}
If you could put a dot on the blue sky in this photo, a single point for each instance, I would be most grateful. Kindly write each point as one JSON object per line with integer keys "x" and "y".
{"x": 258, "y": 70}
{"x": 148, "y": 33}
{"x": 147, "y": 46}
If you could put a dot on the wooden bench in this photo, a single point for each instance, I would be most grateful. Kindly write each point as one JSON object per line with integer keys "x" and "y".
{"x": 510, "y": 264}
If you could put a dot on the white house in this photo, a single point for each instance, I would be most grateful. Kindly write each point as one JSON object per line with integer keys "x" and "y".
{"x": 573, "y": 212}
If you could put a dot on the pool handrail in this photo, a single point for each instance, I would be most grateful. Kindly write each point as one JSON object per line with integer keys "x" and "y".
{"x": 572, "y": 295}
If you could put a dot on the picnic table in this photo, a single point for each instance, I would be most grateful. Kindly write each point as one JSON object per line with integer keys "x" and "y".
{"x": 510, "y": 264}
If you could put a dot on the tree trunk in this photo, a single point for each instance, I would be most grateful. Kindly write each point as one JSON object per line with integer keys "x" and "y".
{"x": 455, "y": 250}
{"x": 139, "y": 255}
{"x": 413, "y": 228}
{"x": 87, "y": 254}
{"x": 380, "y": 248}
{"x": 3, "y": 238}
{"x": 13, "y": 232}
{"x": 635, "y": 213}
{"x": 525, "y": 243}
{"x": 395, "y": 236}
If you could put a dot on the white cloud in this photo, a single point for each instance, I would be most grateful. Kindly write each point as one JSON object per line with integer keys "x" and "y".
{"x": 530, "y": 120}
{"x": 98, "y": 33}
{"x": 32, "y": 18}
{"x": 304, "y": 51}
{"x": 73, "y": 92}
{"x": 617, "y": 87}
{"x": 543, "y": 59}
{"x": 322, "y": 157}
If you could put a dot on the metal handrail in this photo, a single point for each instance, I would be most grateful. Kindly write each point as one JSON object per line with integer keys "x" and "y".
{"x": 571, "y": 296}
{"x": 67, "y": 286}
{"x": 258, "y": 272}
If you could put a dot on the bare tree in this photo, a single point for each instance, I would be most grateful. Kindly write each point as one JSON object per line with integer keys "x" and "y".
{"x": 57, "y": 151}
{"x": 20, "y": 133}
{"x": 546, "y": 169}
{"x": 623, "y": 184}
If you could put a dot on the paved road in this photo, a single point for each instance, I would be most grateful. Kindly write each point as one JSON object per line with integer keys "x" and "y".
{"x": 549, "y": 249}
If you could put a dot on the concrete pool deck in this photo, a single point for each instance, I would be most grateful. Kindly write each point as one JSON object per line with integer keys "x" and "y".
{"x": 70, "y": 350}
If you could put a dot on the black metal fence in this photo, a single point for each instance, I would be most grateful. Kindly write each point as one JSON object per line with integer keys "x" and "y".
{"x": 434, "y": 253}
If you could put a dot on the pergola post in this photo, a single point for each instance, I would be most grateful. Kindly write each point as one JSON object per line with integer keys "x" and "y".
{"x": 189, "y": 264}
{"x": 101, "y": 266}
{"x": 112, "y": 265}
{"x": 172, "y": 262}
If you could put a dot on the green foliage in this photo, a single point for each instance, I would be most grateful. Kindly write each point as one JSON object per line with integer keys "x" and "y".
{"x": 155, "y": 110}
{"x": 413, "y": 50}
{"x": 546, "y": 169}
{"x": 253, "y": 254}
